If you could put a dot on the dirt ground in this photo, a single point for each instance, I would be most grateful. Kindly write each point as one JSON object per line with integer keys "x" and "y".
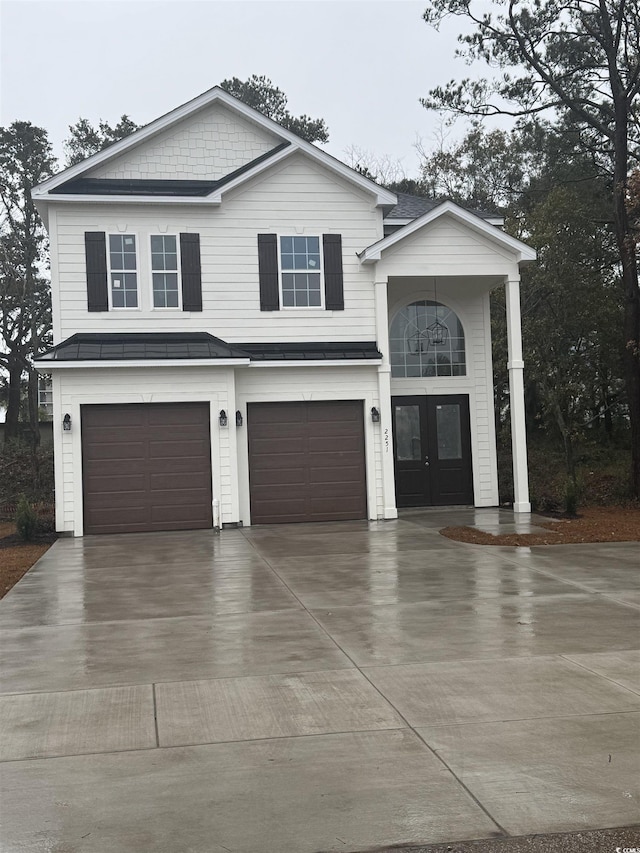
{"x": 592, "y": 524}
{"x": 17, "y": 557}
{"x": 595, "y": 524}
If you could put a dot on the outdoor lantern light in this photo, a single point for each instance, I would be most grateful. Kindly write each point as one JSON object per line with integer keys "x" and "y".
{"x": 66, "y": 423}
{"x": 375, "y": 415}
{"x": 238, "y": 418}
{"x": 222, "y": 420}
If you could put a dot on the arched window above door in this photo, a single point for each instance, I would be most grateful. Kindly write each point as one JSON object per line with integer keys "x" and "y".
{"x": 427, "y": 339}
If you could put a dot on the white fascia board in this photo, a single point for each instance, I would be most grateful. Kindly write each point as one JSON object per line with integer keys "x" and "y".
{"x": 45, "y": 366}
{"x": 334, "y": 362}
{"x": 494, "y": 220}
{"x": 129, "y": 199}
{"x": 383, "y": 196}
{"x": 374, "y": 252}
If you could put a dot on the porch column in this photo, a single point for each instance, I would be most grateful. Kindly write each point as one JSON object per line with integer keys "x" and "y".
{"x": 384, "y": 391}
{"x": 515, "y": 366}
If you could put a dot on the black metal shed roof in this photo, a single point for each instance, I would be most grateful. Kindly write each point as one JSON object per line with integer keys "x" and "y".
{"x": 144, "y": 346}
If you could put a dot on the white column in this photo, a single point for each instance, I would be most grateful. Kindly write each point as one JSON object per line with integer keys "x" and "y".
{"x": 384, "y": 390}
{"x": 515, "y": 366}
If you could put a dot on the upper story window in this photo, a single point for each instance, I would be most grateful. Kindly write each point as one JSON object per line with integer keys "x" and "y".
{"x": 123, "y": 269}
{"x": 164, "y": 271}
{"x": 301, "y": 272}
{"x": 426, "y": 339}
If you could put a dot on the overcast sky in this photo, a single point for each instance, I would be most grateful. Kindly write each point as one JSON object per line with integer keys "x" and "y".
{"x": 360, "y": 65}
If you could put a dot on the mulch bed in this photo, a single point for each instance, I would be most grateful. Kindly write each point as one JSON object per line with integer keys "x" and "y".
{"x": 17, "y": 556}
{"x": 594, "y": 524}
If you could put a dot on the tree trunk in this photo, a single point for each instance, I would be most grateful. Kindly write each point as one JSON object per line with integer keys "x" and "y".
{"x": 12, "y": 420}
{"x": 34, "y": 420}
{"x": 631, "y": 323}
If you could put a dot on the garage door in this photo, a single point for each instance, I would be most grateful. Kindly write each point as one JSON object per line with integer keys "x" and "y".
{"x": 146, "y": 467}
{"x": 306, "y": 462}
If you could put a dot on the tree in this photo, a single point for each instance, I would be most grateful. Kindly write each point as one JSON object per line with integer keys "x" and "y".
{"x": 26, "y": 159}
{"x": 580, "y": 59}
{"x": 484, "y": 170}
{"x": 85, "y": 139}
{"x": 262, "y": 95}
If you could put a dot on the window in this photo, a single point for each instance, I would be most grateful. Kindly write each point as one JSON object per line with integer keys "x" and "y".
{"x": 45, "y": 398}
{"x": 426, "y": 339}
{"x": 300, "y": 272}
{"x": 123, "y": 268}
{"x": 164, "y": 271}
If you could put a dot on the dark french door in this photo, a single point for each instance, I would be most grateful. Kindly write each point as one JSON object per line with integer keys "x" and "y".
{"x": 432, "y": 450}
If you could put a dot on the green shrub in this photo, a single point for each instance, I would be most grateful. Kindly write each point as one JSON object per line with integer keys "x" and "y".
{"x": 25, "y": 470}
{"x": 26, "y": 519}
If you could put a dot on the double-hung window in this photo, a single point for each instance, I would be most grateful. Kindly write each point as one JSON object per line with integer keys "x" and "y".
{"x": 301, "y": 272}
{"x": 123, "y": 267}
{"x": 164, "y": 271}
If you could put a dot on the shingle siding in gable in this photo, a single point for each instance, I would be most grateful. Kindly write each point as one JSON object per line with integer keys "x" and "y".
{"x": 208, "y": 147}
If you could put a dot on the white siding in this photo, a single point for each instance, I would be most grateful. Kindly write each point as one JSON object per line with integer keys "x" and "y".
{"x": 296, "y": 197}
{"x": 211, "y": 144}
{"x": 75, "y": 388}
{"x": 272, "y": 385}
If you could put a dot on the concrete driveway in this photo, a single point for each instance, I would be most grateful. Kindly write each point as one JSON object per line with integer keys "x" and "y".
{"x": 313, "y": 688}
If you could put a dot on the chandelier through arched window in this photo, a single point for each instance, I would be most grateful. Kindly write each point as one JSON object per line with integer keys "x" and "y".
{"x": 427, "y": 339}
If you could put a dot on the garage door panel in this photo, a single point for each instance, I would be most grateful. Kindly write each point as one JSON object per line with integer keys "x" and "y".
{"x": 285, "y": 477}
{"x": 342, "y": 474}
{"x": 300, "y": 453}
{"x": 175, "y": 483}
{"x": 146, "y": 467}
{"x": 109, "y": 450}
{"x": 175, "y": 449}
{"x": 123, "y": 483}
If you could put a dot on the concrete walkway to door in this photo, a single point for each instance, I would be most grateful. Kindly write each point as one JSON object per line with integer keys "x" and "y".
{"x": 317, "y": 688}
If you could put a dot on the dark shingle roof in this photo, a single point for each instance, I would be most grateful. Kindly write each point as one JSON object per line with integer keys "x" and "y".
{"x": 413, "y": 206}
{"x": 158, "y": 187}
{"x": 141, "y": 346}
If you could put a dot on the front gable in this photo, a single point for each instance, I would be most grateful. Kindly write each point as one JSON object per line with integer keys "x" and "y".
{"x": 447, "y": 241}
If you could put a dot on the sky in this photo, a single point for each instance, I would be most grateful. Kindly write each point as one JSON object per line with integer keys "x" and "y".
{"x": 360, "y": 65}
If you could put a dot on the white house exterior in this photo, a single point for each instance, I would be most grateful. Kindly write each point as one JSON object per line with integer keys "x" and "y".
{"x": 248, "y": 331}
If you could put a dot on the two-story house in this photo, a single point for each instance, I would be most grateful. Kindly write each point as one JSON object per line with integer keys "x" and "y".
{"x": 247, "y": 330}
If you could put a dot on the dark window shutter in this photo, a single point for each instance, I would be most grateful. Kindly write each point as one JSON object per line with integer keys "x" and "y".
{"x": 95, "y": 249}
{"x": 191, "y": 272}
{"x": 333, "y": 279}
{"x": 268, "y": 272}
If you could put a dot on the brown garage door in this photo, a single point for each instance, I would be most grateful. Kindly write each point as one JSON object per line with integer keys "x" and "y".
{"x": 306, "y": 462}
{"x": 146, "y": 467}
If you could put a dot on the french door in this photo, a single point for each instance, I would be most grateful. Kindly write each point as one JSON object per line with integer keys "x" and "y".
{"x": 432, "y": 450}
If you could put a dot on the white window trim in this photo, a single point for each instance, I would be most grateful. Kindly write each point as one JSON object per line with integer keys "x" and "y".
{"x": 133, "y": 234}
{"x": 166, "y": 308}
{"x": 284, "y": 307}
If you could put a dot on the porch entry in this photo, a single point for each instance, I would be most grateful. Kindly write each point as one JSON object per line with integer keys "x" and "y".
{"x": 432, "y": 450}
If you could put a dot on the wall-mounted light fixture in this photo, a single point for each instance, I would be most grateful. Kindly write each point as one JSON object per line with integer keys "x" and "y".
{"x": 375, "y": 415}
{"x": 66, "y": 423}
{"x": 222, "y": 420}
{"x": 238, "y": 418}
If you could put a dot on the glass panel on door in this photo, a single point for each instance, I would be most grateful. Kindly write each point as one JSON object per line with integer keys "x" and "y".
{"x": 448, "y": 430}
{"x": 407, "y": 425}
